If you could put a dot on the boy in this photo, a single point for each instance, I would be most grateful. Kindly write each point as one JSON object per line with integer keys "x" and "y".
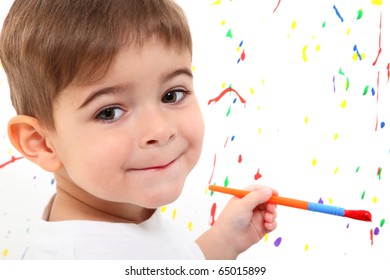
{"x": 104, "y": 94}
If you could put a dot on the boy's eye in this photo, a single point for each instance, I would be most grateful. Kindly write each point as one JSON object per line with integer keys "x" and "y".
{"x": 109, "y": 114}
{"x": 174, "y": 96}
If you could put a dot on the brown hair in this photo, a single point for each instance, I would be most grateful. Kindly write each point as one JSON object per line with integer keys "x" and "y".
{"x": 46, "y": 45}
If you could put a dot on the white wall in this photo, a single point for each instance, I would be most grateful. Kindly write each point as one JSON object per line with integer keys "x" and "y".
{"x": 307, "y": 125}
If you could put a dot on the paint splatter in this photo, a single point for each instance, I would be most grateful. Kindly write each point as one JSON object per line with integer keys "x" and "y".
{"x": 382, "y": 222}
{"x": 380, "y": 41}
{"x": 359, "y": 14}
{"x": 355, "y": 49}
{"x": 226, "y": 182}
{"x": 376, "y": 2}
{"x": 379, "y": 173}
{"x": 363, "y": 195}
{"x": 212, "y": 172}
{"x": 320, "y": 201}
{"x": 239, "y": 158}
{"x": 376, "y": 231}
{"x": 343, "y": 104}
{"x": 314, "y": 162}
{"x": 306, "y": 247}
{"x": 5, "y": 252}
{"x": 304, "y": 56}
{"x": 216, "y": 3}
{"x": 258, "y": 175}
{"x": 174, "y": 212}
{"x": 278, "y": 241}
{"x": 372, "y": 237}
{"x": 277, "y": 6}
{"x": 229, "y": 34}
{"x": 12, "y": 160}
{"x": 338, "y": 13}
{"x": 229, "y": 89}
{"x": 212, "y": 214}
{"x": 242, "y": 57}
{"x": 365, "y": 90}
{"x": 189, "y": 226}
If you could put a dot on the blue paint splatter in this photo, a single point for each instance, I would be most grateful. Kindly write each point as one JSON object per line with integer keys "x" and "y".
{"x": 383, "y": 124}
{"x": 355, "y": 49}
{"x": 338, "y": 13}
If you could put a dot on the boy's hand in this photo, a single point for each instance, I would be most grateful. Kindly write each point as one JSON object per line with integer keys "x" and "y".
{"x": 242, "y": 223}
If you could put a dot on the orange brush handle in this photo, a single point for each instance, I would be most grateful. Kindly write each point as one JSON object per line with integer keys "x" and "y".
{"x": 295, "y": 203}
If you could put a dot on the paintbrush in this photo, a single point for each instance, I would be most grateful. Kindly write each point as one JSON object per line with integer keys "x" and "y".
{"x": 361, "y": 215}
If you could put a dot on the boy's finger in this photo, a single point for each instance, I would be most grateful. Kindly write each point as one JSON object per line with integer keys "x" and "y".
{"x": 257, "y": 197}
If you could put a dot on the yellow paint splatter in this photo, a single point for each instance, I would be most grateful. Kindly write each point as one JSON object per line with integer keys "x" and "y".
{"x": 163, "y": 209}
{"x": 252, "y": 91}
{"x": 306, "y": 247}
{"x": 343, "y": 104}
{"x": 174, "y": 214}
{"x": 193, "y": 68}
{"x": 5, "y": 252}
{"x": 238, "y": 49}
{"x": 376, "y": 2}
{"x": 304, "y": 57}
{"x": 314, "y": 162}
{"x": 318, "y": 48}
{"x": 266, "y": 237}
{"x": 336, "y": 136}
{"x": 223, "y": 22}
{"x": 216, "y": 3}
{"x": 258, "y": 107}
{"x": 306, "y": 120}
{"x": 348, "y": 31}
{"x": 206, "y": 190}
{"x": 336, "y": 170}
{"x": 262, "y": 81}
{"x": 223, "y": 85}
{"x": 9, "y": 152}
{"x": 294, "y": 24}
{"x": 330, "y": 200}
{"x": 190, "y": 226}
{"x": 375, "y": 199}
{"x": 259, "y": 130}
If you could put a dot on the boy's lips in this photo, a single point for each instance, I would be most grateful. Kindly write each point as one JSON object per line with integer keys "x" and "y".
{"x": 156, "y": 167}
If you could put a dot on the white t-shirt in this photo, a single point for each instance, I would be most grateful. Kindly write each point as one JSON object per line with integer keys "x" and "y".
{"x": 155, "y": 239}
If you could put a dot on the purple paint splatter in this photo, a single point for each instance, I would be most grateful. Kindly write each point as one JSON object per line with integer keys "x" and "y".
{"x": 277, "y": 241}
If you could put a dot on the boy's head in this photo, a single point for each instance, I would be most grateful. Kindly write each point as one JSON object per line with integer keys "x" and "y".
{"x": 47, "y": 45}
{"x": 108, "y": 92}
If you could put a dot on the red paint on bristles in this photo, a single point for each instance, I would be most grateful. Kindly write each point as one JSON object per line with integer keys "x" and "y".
{"x": 361, "y": 215}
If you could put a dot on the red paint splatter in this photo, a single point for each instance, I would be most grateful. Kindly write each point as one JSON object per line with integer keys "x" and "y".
{"x": 243, "y": 55}
{"x": 12, "y": 160}
{"x": 380, "y": 40}
{"x": 372, "y": 237}
{"x": 388, "y": 72}
{"x": 277, "y": 6}
{"x": 226, "y": 90}
{"x": 212, "y": 173}
{"x": 212, "y": 214}
{"x": 227, "y": 138}
{"x": 239, "y": 158}
{"x": 258, "y": 175}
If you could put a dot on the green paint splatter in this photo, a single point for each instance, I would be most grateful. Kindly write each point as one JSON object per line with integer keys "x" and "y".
{"x": 323, "y": 24}
{"x": 363, "y": 194}
{"x": 347, "y": 84}
{"x": 379, "y": 173}
{"x": 226, "y": 183}
{"x": 382, "y": 222}
{"x": 365, "y": 90}
{"x": 357, "y": 169}
{"x": 360, "y": 14}
{"x": 229, "y": 34}
{"x": 341, "y": 72}
{"x": 229, "y": 110}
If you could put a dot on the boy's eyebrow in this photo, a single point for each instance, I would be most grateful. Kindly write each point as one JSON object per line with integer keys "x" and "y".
{"x": 106, "y": 90}
{"x": 177, "y": 72}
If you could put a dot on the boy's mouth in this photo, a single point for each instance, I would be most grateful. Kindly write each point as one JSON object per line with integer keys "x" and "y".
{"x": 157, "y": 167}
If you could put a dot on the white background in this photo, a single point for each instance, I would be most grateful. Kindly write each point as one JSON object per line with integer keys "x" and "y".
{"x": 310, "y": 135}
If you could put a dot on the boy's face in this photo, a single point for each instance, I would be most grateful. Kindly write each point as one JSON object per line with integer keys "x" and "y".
{"x": 134, "y": 135}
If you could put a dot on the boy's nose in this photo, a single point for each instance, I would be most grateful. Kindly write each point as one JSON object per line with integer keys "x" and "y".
{"x": 157, "y": 130}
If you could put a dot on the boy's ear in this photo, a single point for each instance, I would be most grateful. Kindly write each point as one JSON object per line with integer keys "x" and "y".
{"x": 28, "y": 136}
